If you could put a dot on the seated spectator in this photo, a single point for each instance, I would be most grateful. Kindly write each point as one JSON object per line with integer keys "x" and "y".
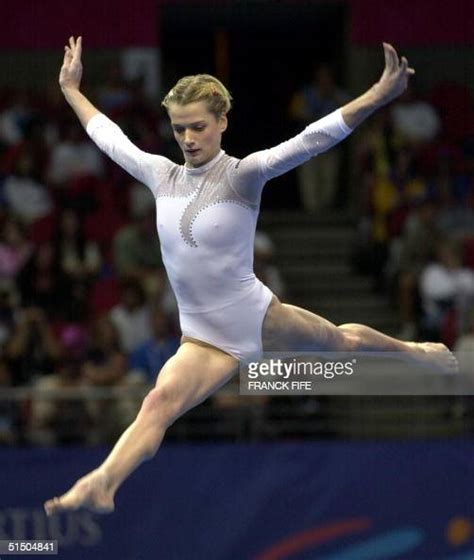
{"x": 152, "y": 355}
{"x": 131, "y": 317}
{"x": 106, "y": 366}
{"x": 60, "y": 420}
{"x": 105, "y": 362}
{"x": 14, "y": 119}
{"x": 74, "y": 157}
{"x": 24, "y": 195}
{"x": 444, "y": 285}
{"x": 33, "y": 349}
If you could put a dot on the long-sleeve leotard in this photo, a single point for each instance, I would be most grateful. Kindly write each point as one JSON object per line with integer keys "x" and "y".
{"x": 206, "y": 216}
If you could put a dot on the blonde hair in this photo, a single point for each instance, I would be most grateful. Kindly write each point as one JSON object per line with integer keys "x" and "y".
{"x": 201, "y": 87}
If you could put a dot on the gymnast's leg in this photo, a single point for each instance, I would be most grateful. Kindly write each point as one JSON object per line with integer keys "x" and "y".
{"x": 290, "y": 328}
{"x": 195, "y": 372}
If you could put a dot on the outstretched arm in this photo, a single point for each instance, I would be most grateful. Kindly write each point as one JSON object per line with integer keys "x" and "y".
{"x": 146, "y": 168}
{"x": 392, "y": 83}
{"x": 70, "y": 82}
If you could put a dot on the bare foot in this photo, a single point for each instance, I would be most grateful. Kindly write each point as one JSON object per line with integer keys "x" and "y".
{"x": 91, "y": 492}
{"x": 437, "y": 354}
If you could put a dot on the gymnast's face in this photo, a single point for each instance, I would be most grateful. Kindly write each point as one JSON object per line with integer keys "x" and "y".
{"x": 197, "y": 131}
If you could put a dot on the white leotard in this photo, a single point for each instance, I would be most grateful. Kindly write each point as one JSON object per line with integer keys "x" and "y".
{"x": 206, "y": 219}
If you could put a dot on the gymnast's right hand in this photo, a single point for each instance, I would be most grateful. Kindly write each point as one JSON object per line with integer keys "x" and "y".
{"x": 71, "y": 70}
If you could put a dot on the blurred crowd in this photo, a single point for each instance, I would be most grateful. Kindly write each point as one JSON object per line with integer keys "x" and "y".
{"x": 415, "y": 175}
{"x": 84, "y": 300}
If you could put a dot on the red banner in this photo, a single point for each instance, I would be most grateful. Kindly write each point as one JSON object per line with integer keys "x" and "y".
{"x": 122, "y": 23}
{"x": 102, "y": 23}
{"x": 413, "y": 23}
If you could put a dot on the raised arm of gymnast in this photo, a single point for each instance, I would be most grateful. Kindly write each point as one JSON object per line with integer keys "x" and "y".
{"x": 391, "y": 84}
{"x": 70, "y": 82}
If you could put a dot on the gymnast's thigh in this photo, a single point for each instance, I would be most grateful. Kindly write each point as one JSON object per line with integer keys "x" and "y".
{"x": 287, "y": 328}
{"x": 194, "y": 373}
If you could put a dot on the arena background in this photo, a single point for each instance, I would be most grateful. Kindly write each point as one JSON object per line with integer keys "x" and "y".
{"x": 334, "y": 478}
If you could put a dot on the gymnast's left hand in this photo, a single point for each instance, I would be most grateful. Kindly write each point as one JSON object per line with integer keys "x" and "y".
{"x": 395, "y": 76}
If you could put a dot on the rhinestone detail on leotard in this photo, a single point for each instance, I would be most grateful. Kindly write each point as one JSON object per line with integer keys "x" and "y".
{"x": 206, "y": 191}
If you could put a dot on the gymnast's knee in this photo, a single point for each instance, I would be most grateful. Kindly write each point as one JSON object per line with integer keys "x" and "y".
{"x": 162, "y": 404}
{"x": 352, "y": 335}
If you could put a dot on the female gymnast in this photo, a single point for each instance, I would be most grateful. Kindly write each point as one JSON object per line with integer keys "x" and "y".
{"x": 207, "y": 211}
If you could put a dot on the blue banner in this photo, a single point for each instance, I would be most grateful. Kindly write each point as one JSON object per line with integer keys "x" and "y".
{"x": 298, "y": 501}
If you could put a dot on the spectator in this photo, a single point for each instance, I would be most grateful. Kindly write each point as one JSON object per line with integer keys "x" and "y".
{"x": 105, "y": 360}
{"x": 444, "y": 285}
{"x": 74, "y": 157}
{"x": 33, "y": 349}
{"x": 61, "y": 421}
{"x": 14, "y": 119}
{"x": 24, "y": 195}
{"x": 131, "y": 317}
{"x": 151, "y": 356}
{"x": 106, "y": 366}
{"x": 318, "y": 178}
